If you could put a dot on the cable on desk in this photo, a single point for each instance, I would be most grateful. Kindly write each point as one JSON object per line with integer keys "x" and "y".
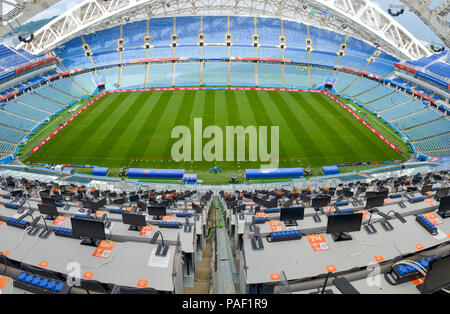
{"x": 99, "y": 265}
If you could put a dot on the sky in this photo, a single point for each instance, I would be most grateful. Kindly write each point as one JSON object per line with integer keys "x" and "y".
{"x": 408, "y": 19}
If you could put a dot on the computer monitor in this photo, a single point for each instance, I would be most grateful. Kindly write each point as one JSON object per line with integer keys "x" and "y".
{"x": 384, "y": 193}
{"x": 339, "y": 225}
{"x": 18, "y": 193}
{"x": 136, "y": 221}
{"x": 48, "y": 201}
{"x": 374, "y": 201}
{"x": 239, "y": 209}
{"x": 133, "y": 198}
{"x": 438, "y": 275}
{"x": 290, "y": 215}
{"x": 101, "y": 203}
{"x": 321, "y": 201}
{"x": 426, "y": 188}
{"x": 90, "y": 205}
{"x": 44, "y": 193}
{"x": 442, "y": 192}
{"x": 49, "y": 210}
{"x": 347, "y": 193}
{"x": 120, "y": 201}
{"x": 444, "y": 207}
{"x": 142, "y": 206}
{"x": 92, "y": 231}
{"x": 157, "y": 212}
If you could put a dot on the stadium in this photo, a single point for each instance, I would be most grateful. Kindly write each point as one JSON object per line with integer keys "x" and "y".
{"x": 224, "y": 127}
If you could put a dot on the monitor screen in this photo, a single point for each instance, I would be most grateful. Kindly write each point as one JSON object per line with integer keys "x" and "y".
{"x": 90, "y": 205}
{"x": 292, "y": 213}
{"x": 320, "y": 202}
{"x": 134, "y": 198}
{"x": 384, "y": 193}
{"x": 45, "y": 193}
{"x": 348, "y": 193}
{"x": 47, "y": 209}
{"x": 438, "y": 275}
{"x": 374, "y": 201}
{"x": 444, "y": 204}
{"x": 142, "y": 206}
{"x": 18, "y": 193}
{"x": 48, "y": 200}
{"x": 101, "y": 203}
{"x": 239, "y": 209}
{"x": 157, "y": 210}
{"x": 88, "y": 228}
{"x": 426, "y": 188}
{"x": 133, "y": 219}
{"x": 344, "y": 223}
{"x": 442, "y": 192}
{"x": 119, "y": 201}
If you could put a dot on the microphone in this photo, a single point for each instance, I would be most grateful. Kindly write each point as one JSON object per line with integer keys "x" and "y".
{"x": 46, "y": 232}
{"x": 370, "y": 228}
{"x": 162, "y": 249}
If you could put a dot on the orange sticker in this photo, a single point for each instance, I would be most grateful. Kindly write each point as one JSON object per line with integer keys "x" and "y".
{"x": 433, "y": 218}
{"x": 329, "y": 208}
{"x": 365, "y": 214}
{"x": 417, "y": 280}
{"x": 167, "y": 218}
{"x": 419, "y": 246}
{"x": 104, "y": 249}
{"x": 261, "y": 214}
{"x": 88, "y": 275}
{"x": 1, "y": 223}
{"x": 3, "y": 282}
{"x": 386, "y": 200}
{"x": 142, "y": 283}
{"x": 317, "y": 242}
{"x": 43, "y": 264}
{"x": 379, "y": 258}
{"x": 275, "y": 225}
{"x": 146, "y": 230}
{"x": 99, "y": 213}
{"x": 275, "y": 276}
{"x": 6, "y": 253}
{"x": 128, "y": 209}
{"x": 59, "y": 220}
{"x": 429, "y": 201}
{"x": 330, "y": 268}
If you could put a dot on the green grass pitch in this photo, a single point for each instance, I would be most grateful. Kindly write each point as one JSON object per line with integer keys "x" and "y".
{"x": 134, "y": 130}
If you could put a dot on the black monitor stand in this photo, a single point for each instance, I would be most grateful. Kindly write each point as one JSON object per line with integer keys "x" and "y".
{"x": 290, "y": 223}
{"x": 337, "y": 237}
{"x": 50, "y": 217}
{"x": 90, "y": 242}
{"x": 445, "y": 214}
{"x": 134, "y": 228}
{"x": 316, "y": 217}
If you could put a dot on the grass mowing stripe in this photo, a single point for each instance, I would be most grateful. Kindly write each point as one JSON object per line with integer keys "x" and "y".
{"x": 130, "y": 130}
{"x": 292, "y": 147}
{"x": 163, "y": 130}
{"x": 111, "y": 139}
{"x": 184, "y": 111}
{"x": 296, "y": 127}
{"x": 146, "y": 133}
{"x": 232, "y": 108}
{"x": 328, "y": 132}
{"x": 262, "y": 118}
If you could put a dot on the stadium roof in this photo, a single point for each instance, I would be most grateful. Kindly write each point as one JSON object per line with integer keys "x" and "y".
{"x": 16, "y": 12}
{"x": 359, "y": 18}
